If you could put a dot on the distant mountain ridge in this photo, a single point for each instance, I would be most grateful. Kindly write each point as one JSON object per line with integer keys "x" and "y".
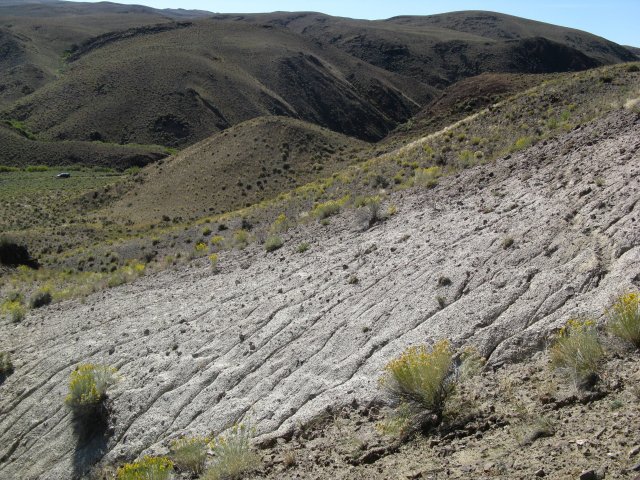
{"x": 133, "y": 74}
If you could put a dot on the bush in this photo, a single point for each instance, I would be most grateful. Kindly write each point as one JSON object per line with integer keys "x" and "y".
{"x": 273, "y": 243}
{"x": 6, "y": 366}
{"x": 213, "y": 259}
{"x": 303, "y": 247}
{"x": 241, "y": 238}
{"x": 14, "y": 309}
{"x": 427, "y": 177}
{"x": 233, "y": 455}
{"x": 624, "y": 318}
{"x": 148, "y": 468}
{"x": 633, "y": 68}
{"x": 281, "y": 224}
{"x": 189, "y": 454}
{"x": 577, "y": 350}
{"x": 326, "y": 209}
{"x": 88, "y": 386}
{"x": 421, "y": 376}
{"x": 521, "y": 144}
{"x": 40, "y": 299}
{"x": 369, "y": 211}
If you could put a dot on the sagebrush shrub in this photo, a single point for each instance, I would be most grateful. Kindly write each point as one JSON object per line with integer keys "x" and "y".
{"x": 422, "y": 376}
{"x": 233, "y": 455}
{"x": 190, "y": 453}
{"x": 41, "y": 298}
{"x": 326, "y": 209}
{"x": 273, "y": 242}
{"x": 147, "y": 468}
{"x": 427, "y": 177}
{"x": 6, "y": 366}
{"x": 624, "y": 318}
{"x": 576, "y": 350}
{"x": 88, "y": 386}
{"x": 14, "y": 309}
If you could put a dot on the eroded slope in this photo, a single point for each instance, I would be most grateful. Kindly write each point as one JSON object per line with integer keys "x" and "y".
{"x": 276, "y": 338}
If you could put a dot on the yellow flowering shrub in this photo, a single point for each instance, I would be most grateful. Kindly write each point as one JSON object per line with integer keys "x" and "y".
{"x": 88, "y": 385}
{"x": 427, "y": 177}
{"x": 213, "y": 259}
{"x": 421, "y": 375}
{"x": 201, "y": 247}
{"x": 624, "y": 318}
{"x": 14, "y": 309}
{"x": 148, "y": 468}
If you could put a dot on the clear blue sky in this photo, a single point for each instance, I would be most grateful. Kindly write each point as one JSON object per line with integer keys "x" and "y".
{"x": 617, "y": 20}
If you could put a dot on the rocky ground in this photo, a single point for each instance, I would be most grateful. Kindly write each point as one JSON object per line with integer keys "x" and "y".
{"x": 526, "y": 243}
{"x": 519, "y": 422}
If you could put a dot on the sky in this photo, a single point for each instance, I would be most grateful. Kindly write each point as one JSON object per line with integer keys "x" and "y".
{"x": 616, "y": 20}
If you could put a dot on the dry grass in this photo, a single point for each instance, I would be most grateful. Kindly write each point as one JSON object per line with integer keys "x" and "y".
{"x": 576, "y": 350}
{"x": 624, "y": 318}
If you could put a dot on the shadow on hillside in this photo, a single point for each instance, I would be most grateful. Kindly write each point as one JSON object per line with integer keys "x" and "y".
{"x": 92, "y": 432}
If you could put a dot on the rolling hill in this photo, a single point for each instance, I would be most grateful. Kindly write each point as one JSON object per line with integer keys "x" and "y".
{"x": 267, "y": 156}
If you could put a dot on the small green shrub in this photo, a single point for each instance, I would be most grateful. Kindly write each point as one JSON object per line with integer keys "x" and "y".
{"x": 577, "y": 350}
{"x": 189, "y": 454}
{"x": 233, "y": 456}
{"x": 624, "y": 318}
{"x": 273, "y": 243}
{"x": 303, "y": 247}
{"x": 41, "y": 298}
{"x": 521, "y": 144}
{"x": 147, "y": 468}
{"x": 6, "y": 366}
{"x": 633, "y": 68}
{"x": 88, "y": 386}
{"x": 427, "y": 177}
{"x": 241, "y": 238}
{"x": 326, "y": 209}
{"x": 213, "y": 259}
{"x": 369, "y": 210}
{"x": 7, "y": 169}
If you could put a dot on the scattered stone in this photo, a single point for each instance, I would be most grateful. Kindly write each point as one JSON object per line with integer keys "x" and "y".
{"x": 540, "y": 473}
{"x": 588, "y": 475}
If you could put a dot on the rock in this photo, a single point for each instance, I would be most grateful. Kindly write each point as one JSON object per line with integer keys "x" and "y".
{"x": 636, "y": 467}
{"x": 540, "y": 473}
{"x": 588, "y": 475}
{"x": 634, "y": 451}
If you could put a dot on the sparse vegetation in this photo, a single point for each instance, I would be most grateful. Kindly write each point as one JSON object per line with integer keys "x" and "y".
{"x": 326, "y": 209}
{"x": 577, "y": 351}
{"x": 189, "y": 454}
{"x": 14, "y": 308}
{"x": 213, "y": 260}
{"x": 241, "y": 238}
{"x": 273, "y": 243}
{"x": 427, "y": 177}
{"x": 624, "y": 318}
{"x": 233, "y": 456}
{"x": 6, "y": 366}
{"x": 41, "y": 298}
{"x": 421, "y": 376}
{"x": 147, "y": 468}
{"x": 88, "y": 386}
{"x": 303, "y": 247}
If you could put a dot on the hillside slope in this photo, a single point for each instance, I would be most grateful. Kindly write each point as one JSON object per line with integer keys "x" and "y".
{"x": 178, "y": 85}
{"x": 267, "y": 156}
{"x": 279, "y": 338}
{"x": 442, "y": 49}
{"x": 17, "y": 150}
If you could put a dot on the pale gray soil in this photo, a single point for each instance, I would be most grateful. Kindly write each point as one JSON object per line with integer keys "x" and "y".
{"x": 276, "y": 338}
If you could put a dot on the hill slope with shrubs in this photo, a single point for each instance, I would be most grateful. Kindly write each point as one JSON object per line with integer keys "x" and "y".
{"x": 497, "y": 257}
